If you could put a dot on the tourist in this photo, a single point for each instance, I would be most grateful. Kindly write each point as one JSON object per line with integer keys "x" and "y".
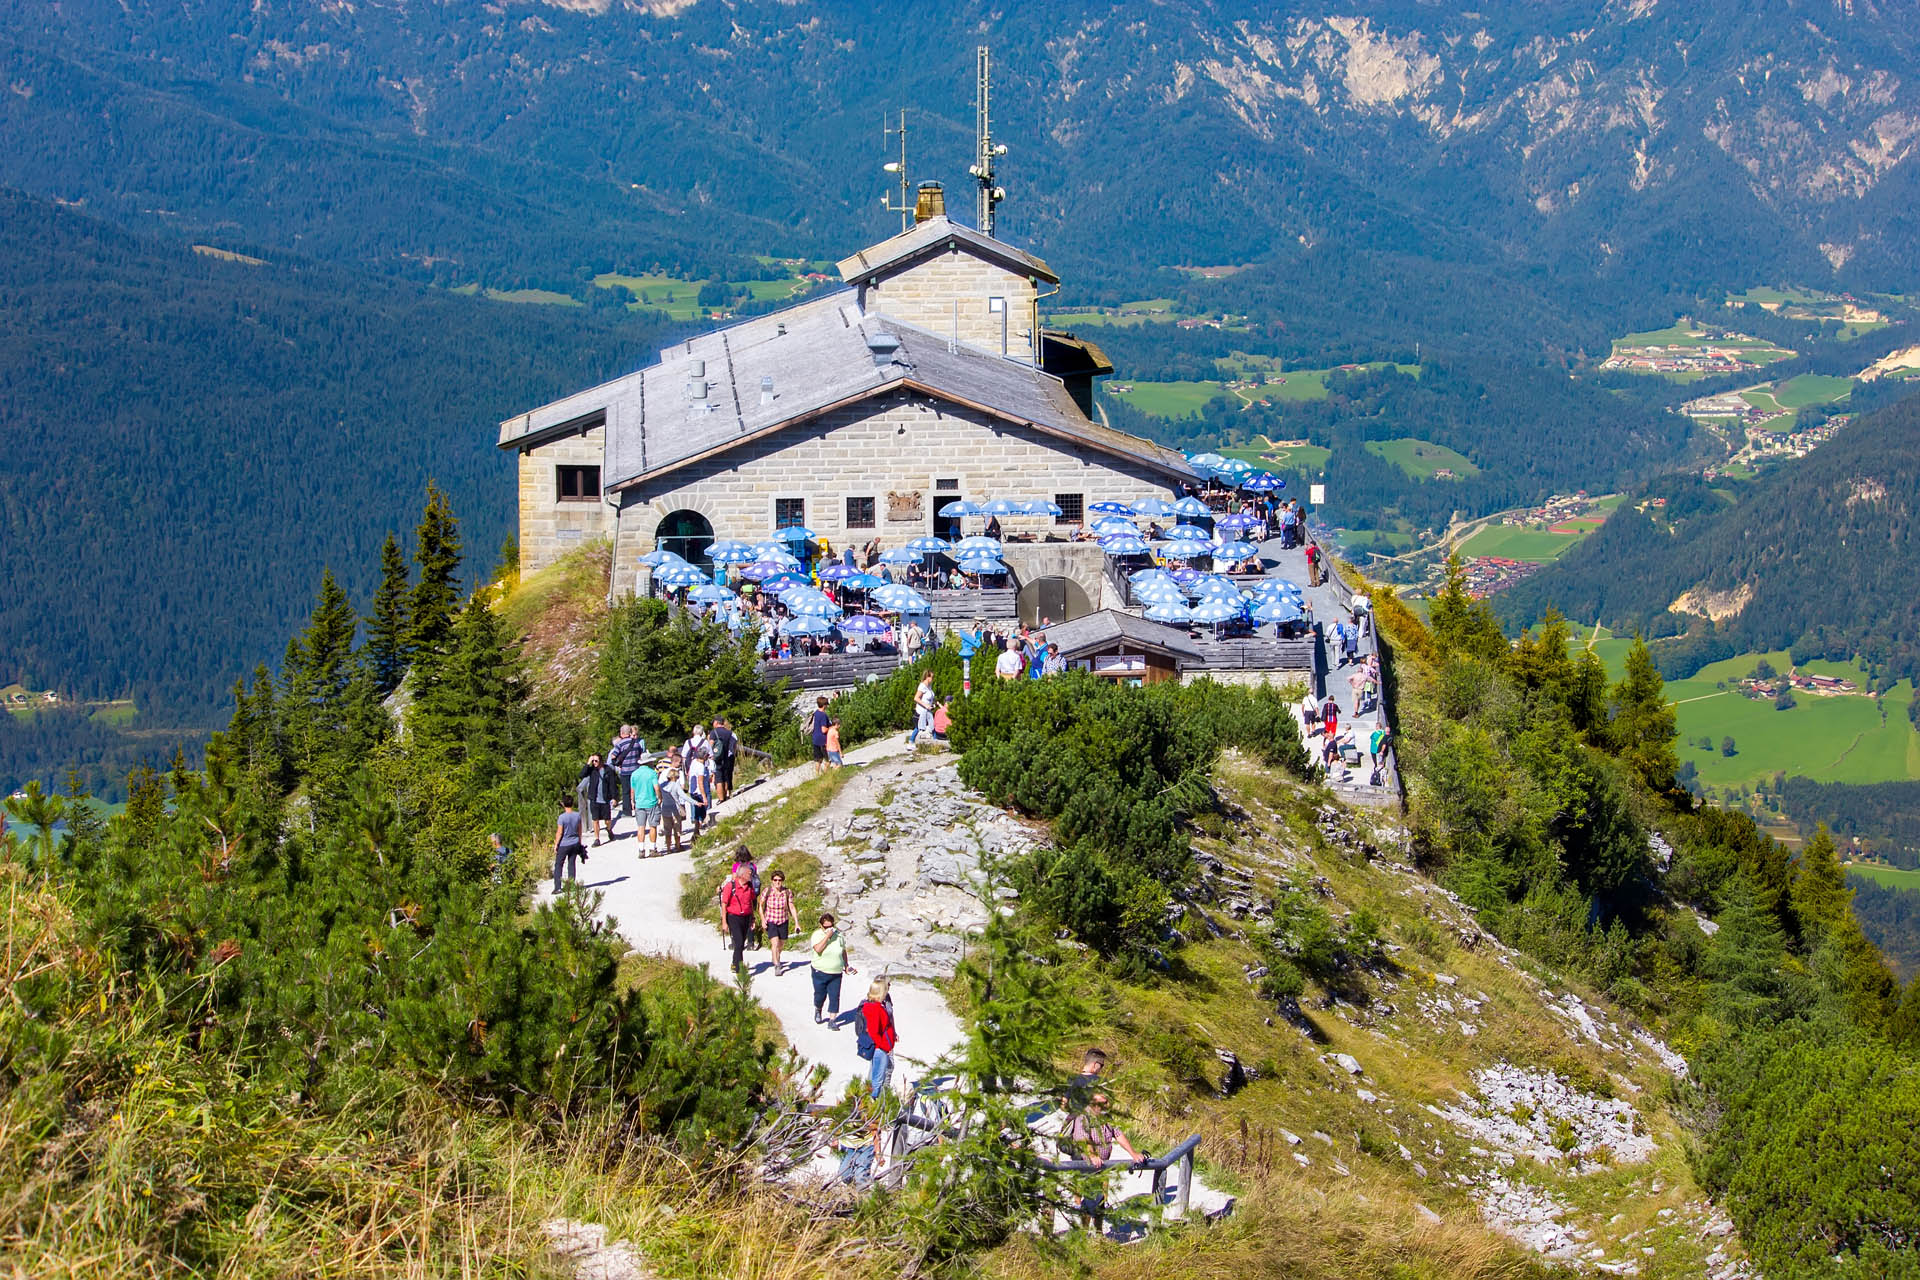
{"x": 624, "y": 755}
{"x": 567, "y": 849}
{"x": 699, "y": 788}
{"x": 1330, "y": 716}
{"x": 646, "y": 807}
{"x": 1313, "y": 564}
{"x": 1350, "y": 645}
{"x": 1007, "y": 665}
{"x": 737, "y": 902}
{"x": 674, "y": 804}
{"x": 726, "y": 749}
{"x": 502, "y": 856}
{"x": 817, "y": 722}
{"x": 1093, "y": 1135}
{"x": 833, "y": 743}
{"x": 776, "y": 916}
{"x": 1080, "y": 1087}
{"x": 1037, "y": 656}
{"x": 829, "y": 947}
{"x": 598, "y": 790}
{"x": 1309, "y": 714}
{"x": 876, "y": 1017}
{"x": 942, "y": 720}
{"x": 922, "y": 709}
{"x": 1377, "y": 747}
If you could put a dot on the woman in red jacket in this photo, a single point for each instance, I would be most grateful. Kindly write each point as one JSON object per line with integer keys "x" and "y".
{"x": 876, "y": 1011}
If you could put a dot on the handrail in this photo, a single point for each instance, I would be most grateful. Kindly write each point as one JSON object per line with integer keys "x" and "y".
{"x": 1155, "y": 1164}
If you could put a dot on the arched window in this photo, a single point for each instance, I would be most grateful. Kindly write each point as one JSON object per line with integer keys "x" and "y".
{"x": 1045, "y": 601}
{"x": 688, "y": 535}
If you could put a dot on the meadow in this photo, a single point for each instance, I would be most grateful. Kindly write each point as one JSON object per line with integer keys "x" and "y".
{"x": 1886, "y": 877}
{"x": 1523, "y": 542}
{"x": 679, "y": 299}
{"x": 1422, "y": 459}
{"x": 1166, "y": 399}
{"x": 1799, "y": 393}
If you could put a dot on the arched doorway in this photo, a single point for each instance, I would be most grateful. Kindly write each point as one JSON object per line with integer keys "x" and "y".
{"x": 1045, "y": 601}
{"x": 687, "y": 534}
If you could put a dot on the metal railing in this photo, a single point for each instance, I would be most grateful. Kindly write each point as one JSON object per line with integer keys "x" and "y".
{"x": 1179, "y": 1161}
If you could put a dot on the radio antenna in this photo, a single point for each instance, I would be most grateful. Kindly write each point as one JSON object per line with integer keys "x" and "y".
{"x": 897, "y": 167}
{"x": 986, "y": 150}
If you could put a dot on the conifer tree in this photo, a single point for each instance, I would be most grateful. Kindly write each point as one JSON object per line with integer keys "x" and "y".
{"x": 1465, "y": 626}
{"x": 436, "y": 595}
{"x": 1642, "y": 720}
{"x": 1819, "y": 893}
{"x": 390, "y": 620}
{"x": 315, "y": 675}
{"x": 1746, "y": 957}
{"x": 1587, "y": 697}
{"x": 466, "y": 714}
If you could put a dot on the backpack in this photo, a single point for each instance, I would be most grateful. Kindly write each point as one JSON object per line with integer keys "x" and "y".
{"x": 731, "y": 898}
{"x": 862, "y": 1042}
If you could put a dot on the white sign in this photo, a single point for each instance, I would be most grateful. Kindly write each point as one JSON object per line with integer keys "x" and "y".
{"x": 1317, "y": 495}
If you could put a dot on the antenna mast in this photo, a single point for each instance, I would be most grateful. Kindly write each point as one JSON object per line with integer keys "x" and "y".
{"x": 986, "y": 150}
{"x": 905, "y": 207}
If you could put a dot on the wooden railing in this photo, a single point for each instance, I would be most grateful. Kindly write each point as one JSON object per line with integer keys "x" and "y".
{"x": 990, "y": 604}
{"x": 831, "y": 670}
{"x": 1254, "y": 653}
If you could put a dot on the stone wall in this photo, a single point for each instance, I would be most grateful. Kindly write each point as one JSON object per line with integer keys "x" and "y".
{"x": 935, "y": 292}
{"x": 1080, "y": 562}
{"x": 550, "y": 527}
{"x": 893, "y": 451}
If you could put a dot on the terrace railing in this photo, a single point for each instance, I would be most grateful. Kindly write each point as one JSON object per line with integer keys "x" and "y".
{"x": 1254, "y": 653}
{"x": 990, "y": 604}
{"x": 831, "y": 670}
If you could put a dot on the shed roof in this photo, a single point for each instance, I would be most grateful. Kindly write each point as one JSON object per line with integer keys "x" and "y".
{"x": 1096, "y": 632}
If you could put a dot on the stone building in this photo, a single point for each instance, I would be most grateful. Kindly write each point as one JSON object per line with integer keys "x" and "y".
{"x": 857, "y": 414}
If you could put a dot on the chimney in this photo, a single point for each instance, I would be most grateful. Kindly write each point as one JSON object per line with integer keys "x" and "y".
{"x": 766, "y": 389}
{"x": 885, "y": 348}
{"x": 931, "y": 202}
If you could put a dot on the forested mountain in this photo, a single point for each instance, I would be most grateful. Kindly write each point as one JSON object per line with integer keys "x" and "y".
{"x": 1819, "y": 557}
{"x": 189, "y": 441}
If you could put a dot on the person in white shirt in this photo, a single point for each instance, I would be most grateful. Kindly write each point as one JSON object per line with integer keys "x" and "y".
{"x": 1007, "y": 665}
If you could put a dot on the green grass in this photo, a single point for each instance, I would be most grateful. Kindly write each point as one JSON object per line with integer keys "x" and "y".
{"x": 1420, "y": 458}
{"x": 679, "y": 298}
{"x": 1518, "y": 542}
{"x": 1811, "y": 389}
{"x": 1305, "y": 457}
{"x": 1168, "y": 399}
{"x": 115, "y": 715}
{"x": 1887, "y": 877}
{"x": 1764, "y": 294}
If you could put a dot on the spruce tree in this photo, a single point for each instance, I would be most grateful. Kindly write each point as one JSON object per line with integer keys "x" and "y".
{"x": 315, "y": 675}
{"x": 466, "y": 714}
{"x": 1642, "y": 720}
{"x": 1819, "y": 893}
{"x": 1464, "y": 626}
{"x": 436, "y": 595}
{"x": 390, "y": 620}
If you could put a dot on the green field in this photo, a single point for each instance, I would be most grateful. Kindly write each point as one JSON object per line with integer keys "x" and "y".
{"x": 679, "y": 299}
{"x": 1302, "y": 457}
{"x": 1764, "y": 296}
{"x": 1140, "y": 311}
{"x": 1683, "y": 333}
{"x": 1889, "y": 877}
{"x": 1519, "y": 542}
{"x": 1811, "y": 389}
{"x": 538, "y": 297}
{"x": 1167, "y": 399}
{"x": 1421, "y": 458}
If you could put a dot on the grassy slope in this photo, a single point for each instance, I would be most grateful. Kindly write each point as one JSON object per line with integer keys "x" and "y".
{"x": 1421, "y": 458}
{"x": 1513, "y": 542}
{"x": 1890, "y": 877}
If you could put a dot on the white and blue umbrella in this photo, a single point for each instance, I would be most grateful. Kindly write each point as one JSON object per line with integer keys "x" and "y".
{"x": 864, "y": 624}
{"x": 864, "y": 582}
{"x": 796, "y": 533}
{"x": 1206, "y": 462}
{"x": 960, "y": 507}
{"x": 1277, "y": 610}
{"x": 1114, "y": 524}
{"x": 1273, "y": 588}
{"x": 662, "y": 557}
{"x": 1158, "y": 508}
{"x": 1238, "y": 520}
{"x": 1111, "y": 508}
{"x": 839, "y": 571}
{"x": 1188, "y": 531}
{"x": 774, "y": 549}
{"x": 979, "y": 542}
{"x": 681, "y": 575}
{"x": 1169, "y": 611}
{"x": 1218, "y": 610}
{"x": 1040, "y": 507}
{"x": 1186, "y": 577}
{"x": 731, "y": 551}
{"x": 1123, "y": 544}
{"x": 1263, "y": 482}
{"x": 1160, "y": 593}
{"x": 897, "y": 597}
{"x": 927, "y": 545}
{"x": 802, "y": 605}
{"x": 761, "y": 570}
{"x": 1141, "y": 577}
{"x": 900, "y": 555}
{"x": 807, "y": 625}
{"x": 1186, "y": 549}
{"x": 1234, "y": 468}
{"x": 1191, "y": 507}
{"x": 1235, "y": 551}
{"x": 982, "y": 564}
{"x": 783, "y": 581}
{"x": 1214, "y": 587}
{"x": 711, "y": 593}
{"x": 1002, "y": 507}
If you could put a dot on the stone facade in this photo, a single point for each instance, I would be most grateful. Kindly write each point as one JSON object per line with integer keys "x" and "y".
{"x": 551, "y": 526}
{"x": 993, "y": 308}
{"x": 901, "y": 445}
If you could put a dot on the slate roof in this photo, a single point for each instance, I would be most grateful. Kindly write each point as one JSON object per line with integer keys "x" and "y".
{"x": 1096, "y": 631}
{"x": 771, "y": 371}
{"x": 934, "y": 236}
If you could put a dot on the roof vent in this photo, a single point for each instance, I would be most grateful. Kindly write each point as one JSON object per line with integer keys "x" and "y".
{"x": 929, "y": 202}
{"x": 696, "y": 368}
{"x": 885, "y": 348}
{"x": 696, "y": 388}
{"x": 766, "y": 389}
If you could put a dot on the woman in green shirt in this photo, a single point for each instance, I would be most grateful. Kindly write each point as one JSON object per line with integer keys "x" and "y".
{"x": 829, "y": 947}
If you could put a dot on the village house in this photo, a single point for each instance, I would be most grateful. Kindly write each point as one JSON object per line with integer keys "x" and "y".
{"x": 927, "y": 378}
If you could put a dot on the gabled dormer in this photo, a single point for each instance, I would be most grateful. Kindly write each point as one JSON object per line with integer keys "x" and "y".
{"x": 951, "y": 279}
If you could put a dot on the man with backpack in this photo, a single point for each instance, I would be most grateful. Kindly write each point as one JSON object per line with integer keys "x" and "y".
{"x": 624, "y": 755}
{"x": 726, "y": 747}
{"x": 874, "y": 1035}
{"x": 737, "y": 902}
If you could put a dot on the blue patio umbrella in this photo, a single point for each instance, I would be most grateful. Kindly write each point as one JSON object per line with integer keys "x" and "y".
{"x": 960, "y": 507}
{"x": 1218, "y": 610}
{"x": 864, "y": 624}
{"x": 812, "y": 607}
{"x": 1040, "y": 507}
{"x": 927, "y": 545}
{"x": 1141, "y": 577}
{"x": 1234, "y": 468}
{"x": 982, "y": 564}
{"x": 1277, "y": 610}
{"x": 838, "y": 572}
{"x": 1111, "y": 508}
{"x": 1212, "y": 585}
{"x": 1235, "y": 551}
{"x": 785, "y": 580}
{"x": 1122, "y": 544}
{"x": 1115, "y": 524}
{"x": 797, "y": 533}
{"x": 807, "y": 625}
{"x": 1206, "y": 462}
{"x": 681, "y": 575}
{"x": 1269, "y": 588}
{"x": 711, "y": 593}
{"x": 773, "y": 549}
{"x": 864, "y": 582}
{"x": 1189, "y": 531}
{"x": 761, "y": 570}
{"x": 979, "y": 542}
{"x": 1169, "y": 611}
{"x": 1263, "y": 482}
{"x": 1000, "y": 507}
{"x": 1186, "y": 577}
{"x": 1191, "y": 507}
{"x": 655, "y": 559}
{"x": 1238, "y": 520}
{"x": 1158, "y": 508}
{"x": 1160, "y": 593}
{"x": 897, "y": 597}
{"x": 1186, "y": 549}
{"x": 900, "y": 555}
{"x": 731, "y": 551}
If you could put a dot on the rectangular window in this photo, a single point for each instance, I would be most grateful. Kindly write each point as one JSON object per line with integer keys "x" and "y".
{"x": 576, "y": 484}
{"x": 946, "y": 486}
{"x": 789, "y": 513}
{"x": 1073, "y": 508}
{"x": 859, "y": 513}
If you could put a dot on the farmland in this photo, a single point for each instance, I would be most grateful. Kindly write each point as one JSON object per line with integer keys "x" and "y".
{"x": 1422, "y": 459}
{"x": 1518, "y": 542}
{"x": 1166, "y": 399}
{"x": 1887, "y": 877}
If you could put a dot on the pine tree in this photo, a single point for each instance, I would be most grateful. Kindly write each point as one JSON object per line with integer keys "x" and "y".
{"x": 466, "y": 715}
{"x": 1460, "y": 623}
{"x": 1746, "y": 957}
{"x": 437, "y": 593}
{"x": 1819, "y": 893}
{"x": 315, "y": 675}
{"x": 1642, "y": 720}
{"x": 390, "y": 620}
